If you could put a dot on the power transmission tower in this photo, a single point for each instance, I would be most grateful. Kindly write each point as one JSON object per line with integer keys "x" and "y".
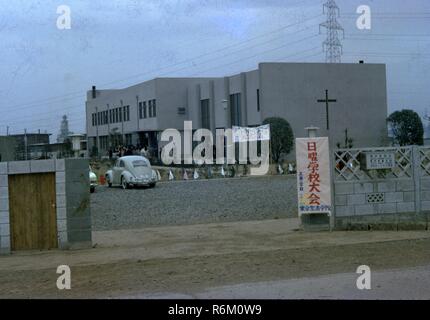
{"x": 332, "y": 45}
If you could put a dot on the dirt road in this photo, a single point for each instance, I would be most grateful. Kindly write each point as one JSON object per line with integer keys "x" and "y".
{"x": 191, "y": 259}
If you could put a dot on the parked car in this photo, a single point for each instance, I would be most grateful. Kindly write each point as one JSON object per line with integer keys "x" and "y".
{"x": 131, "y": 171}
{"x": 93, "y": 181}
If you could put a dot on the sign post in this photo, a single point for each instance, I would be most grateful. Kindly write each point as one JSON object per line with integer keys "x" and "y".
{"x": 313, "y": 181}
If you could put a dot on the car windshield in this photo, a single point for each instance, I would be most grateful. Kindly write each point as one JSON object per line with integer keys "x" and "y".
{"x": 140, "y": 163}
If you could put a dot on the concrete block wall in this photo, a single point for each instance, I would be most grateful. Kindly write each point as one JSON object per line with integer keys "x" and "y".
{"x": 78, "y": 210}
{"x": 4, "y": 210}
{"x": 352, "y": 198}
{"x": 72, "y": 200}
{"x": 403, "y": 203}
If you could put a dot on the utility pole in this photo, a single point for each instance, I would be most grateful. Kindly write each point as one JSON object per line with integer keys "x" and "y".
{"x": 25, "y": 144}
{"x": 332, "y": 45}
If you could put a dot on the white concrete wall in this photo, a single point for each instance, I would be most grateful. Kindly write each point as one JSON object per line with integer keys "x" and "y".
{"x": 72, "y": 199}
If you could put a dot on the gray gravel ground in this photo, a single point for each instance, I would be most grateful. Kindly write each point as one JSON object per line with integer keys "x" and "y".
{"x": 194, "y": 202}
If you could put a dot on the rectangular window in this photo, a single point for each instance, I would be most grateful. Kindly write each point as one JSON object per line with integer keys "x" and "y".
{"x": 205, "y": 114}
{"x": 99, "y": 118}
{"x": 116, "y": 115}
{"x": 140, "y": 110}
{"x": 128, "y": 140}
{"x": 258, "y": 100}
{"x": 144, "y": 110}
{"x": 128, "y": 113}
{"x": 154, "y": 108}
{"x": 235, "y": 109}
{"x": 120, "y": 114}
{"x": 150, "y": 108}
{"x": 92, "y": 119}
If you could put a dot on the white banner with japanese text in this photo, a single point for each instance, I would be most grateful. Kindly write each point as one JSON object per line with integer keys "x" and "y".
{"x": 313, "y": 175}
{"x": 245, "y": 134}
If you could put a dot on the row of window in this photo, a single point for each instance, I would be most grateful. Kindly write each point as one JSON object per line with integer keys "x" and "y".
{"x": 115, "y": 115}
{"x": 147, "y": 109}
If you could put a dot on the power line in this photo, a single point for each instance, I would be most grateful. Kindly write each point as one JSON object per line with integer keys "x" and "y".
{"x": 79, "y": 94}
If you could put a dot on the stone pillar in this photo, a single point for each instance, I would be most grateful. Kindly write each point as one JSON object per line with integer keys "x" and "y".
{"x": 4, "y": 210}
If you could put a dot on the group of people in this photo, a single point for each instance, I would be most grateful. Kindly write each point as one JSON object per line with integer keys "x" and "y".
{"x": 131, "y": 150}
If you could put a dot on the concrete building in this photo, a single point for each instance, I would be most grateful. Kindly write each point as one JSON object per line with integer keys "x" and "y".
{"x": 139, "y": 114}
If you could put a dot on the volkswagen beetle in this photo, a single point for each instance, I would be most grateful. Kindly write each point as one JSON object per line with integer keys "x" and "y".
{"x": 131, "y": 171}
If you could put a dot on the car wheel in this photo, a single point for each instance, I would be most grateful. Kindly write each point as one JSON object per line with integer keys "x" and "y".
{"x": 108, "y": 182}
{"x": 124, "y": 183}
{"x": 152, "y": 185}
{"x": 92, "y": 189}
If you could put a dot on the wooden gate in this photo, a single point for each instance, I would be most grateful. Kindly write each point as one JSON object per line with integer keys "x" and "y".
{"x": 32, "y": 207}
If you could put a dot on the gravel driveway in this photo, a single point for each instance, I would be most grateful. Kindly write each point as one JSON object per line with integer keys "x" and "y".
{"x": 194, "y": 202}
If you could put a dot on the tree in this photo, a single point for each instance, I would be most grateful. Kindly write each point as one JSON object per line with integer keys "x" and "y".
{"x": 407, "y": 127}
{"x": 281, "y": 137}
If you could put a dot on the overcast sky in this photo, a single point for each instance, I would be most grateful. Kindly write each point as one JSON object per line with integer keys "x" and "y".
{"x": 45, "y": 72}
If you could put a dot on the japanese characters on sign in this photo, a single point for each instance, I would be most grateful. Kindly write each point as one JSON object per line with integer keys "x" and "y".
{"x": 377, "y": 160}
{"x": 313, "y": 175}
{"x": 244, "y": 134}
